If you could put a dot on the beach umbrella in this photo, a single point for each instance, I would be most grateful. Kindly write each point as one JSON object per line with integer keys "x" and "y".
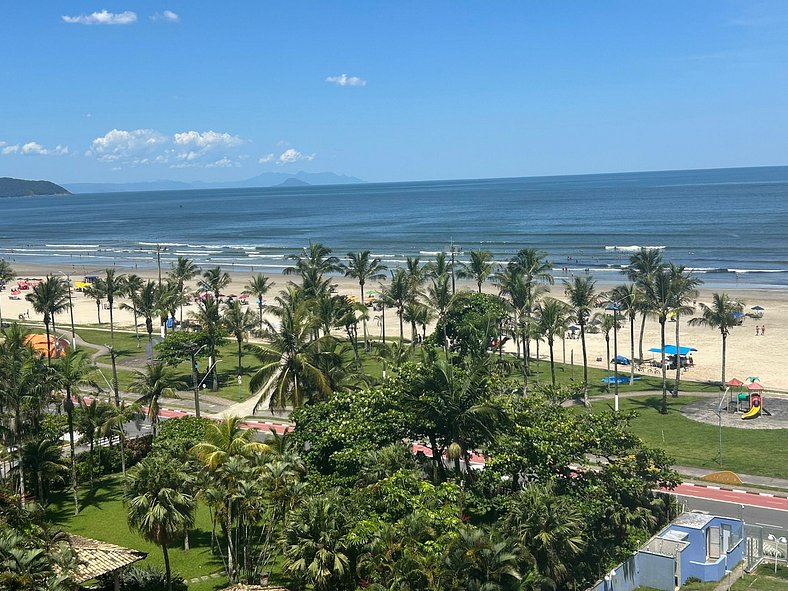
{"x": 758, "y": 308}
{"x": 754, "y": 386}
{"x": 752, "y": 378}
{"x": 733, "y": 382}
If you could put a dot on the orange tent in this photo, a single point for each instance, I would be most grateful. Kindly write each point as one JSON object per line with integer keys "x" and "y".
{"x": 57, "y": 347}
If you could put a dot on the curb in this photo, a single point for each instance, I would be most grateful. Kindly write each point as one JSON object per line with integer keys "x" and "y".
{"x": 737, "y": 490}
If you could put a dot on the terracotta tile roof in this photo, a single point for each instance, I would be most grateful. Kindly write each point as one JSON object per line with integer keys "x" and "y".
{"x": 98, "y": 558}
{"x": 242, "y": 587}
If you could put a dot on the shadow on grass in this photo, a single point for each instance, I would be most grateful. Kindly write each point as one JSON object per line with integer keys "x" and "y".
{"x": 61, "y": 506}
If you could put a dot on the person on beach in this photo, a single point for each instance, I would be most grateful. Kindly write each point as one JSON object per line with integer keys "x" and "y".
{"x": 763, "y": 329}
{"x": 757, "y": 330}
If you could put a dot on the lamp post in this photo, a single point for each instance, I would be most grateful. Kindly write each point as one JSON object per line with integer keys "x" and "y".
{"x": 71, "y": 311}
{"x": 777, "y": 541}
{"x": 115, "y": 389}
{"x": 193, "y": 351}
{"x": 614, "y": 306}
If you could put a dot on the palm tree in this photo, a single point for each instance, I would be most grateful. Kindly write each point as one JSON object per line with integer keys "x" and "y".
{"x": 476, "y": 561}
{"x": 290, "y": 371}
{"x": 6, "y": 274}
{"x": 90, "y": 421}
{"x": 145, "y": 303}
{"x": 72, "y": 371}
{"x": 115, "y": 424}
{"x": 582, "y": 298}
{"x": 399, "y": 292}
{"x": 157, "y": 507}
{"x": 439, "y": 267}
{"x": 224, "y": 440}
{"x": 439, "y": 297}
{"x": 238, "y": 321}
{"x": 606, "y": 323}
{"x": 552, "y": 321}
{"x": 363, "y": 267}
{"x": 156, "y": 381}
{"x": 258, "y": 286}
{"x": 182, "y": 270}
{"x": 479, "y": 267}
{"x": 113, "y": 285}
{"x": 643, "y": 265}
{"x": 95, "y": 292}
{"x": 134, "y": 285}
{"x": 214, "y": 280}
{"x": 207, "y": 316}
{"x": 49, "y": 298}
{"x": 315, "y": 261}
{"x": 723, "y": 316}
{"x": 684, "y": 292}
{"x": 45, "y": 460}
{"x": 629, "y": 299}
{"x": 659, "y": 296}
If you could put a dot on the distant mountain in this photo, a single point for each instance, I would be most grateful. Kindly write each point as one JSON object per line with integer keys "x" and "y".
{"x": 293, "y": 182}
{"x": 267, "y": 179}
{"x": 19, "y": 188}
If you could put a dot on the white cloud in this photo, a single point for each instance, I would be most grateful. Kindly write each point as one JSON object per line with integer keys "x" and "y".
{"x": 223, "y": 163}
{"x": 132, "y": 146}
{"x": 103, "y": 18}
{"x": 345, "y": 80}
{"x": 208, "y": 139}
{"x": 167, "y": 16}
{"x": 292, "y": 155}
{"x": 6, "y": 149}
{"x": 267, "y": 158}
{"x": 34, "y": 148}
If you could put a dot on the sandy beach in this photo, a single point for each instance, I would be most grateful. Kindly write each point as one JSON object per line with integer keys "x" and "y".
{"x": 748, "y": 354}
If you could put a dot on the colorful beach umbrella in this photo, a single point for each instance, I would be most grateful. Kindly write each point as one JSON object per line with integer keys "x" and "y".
{"x": 754, "y": 386}
{"x": 758, "y": 308}
{"x": 734, "y": 383}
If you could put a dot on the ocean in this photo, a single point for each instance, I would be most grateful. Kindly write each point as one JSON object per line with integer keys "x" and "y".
{"x": 730, "y": 226}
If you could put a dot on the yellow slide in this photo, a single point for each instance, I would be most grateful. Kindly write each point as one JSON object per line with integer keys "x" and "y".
{"x": 753, "y": 413}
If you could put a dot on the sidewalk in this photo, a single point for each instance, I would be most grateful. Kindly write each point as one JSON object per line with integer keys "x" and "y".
{"x": 698, "y": 473}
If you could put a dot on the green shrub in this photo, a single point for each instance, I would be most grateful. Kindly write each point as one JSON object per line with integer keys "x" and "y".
{"x": 148, "y": 578}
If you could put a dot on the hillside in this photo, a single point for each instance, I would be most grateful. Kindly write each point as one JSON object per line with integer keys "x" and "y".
{"x": 19, "y": 188}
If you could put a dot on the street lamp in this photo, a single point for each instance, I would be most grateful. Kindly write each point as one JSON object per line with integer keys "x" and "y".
{"x": 193, "y": 351}
{"x": 112, "y": 355}
{"x": 71, "y": 310}
{"x": 776, "y": 540}
{"x": 615, "y": 307}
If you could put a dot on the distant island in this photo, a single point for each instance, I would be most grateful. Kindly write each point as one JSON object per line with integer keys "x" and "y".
{"x": 266, "y": 179}
{"x": 21, "y": 188}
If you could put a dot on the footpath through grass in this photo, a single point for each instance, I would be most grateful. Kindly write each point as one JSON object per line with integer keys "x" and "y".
{"x": 691, "y": 443}
{"x": 103, "y": 517}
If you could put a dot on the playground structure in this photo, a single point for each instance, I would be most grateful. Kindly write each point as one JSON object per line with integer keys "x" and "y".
{"x": 750, "y": 402}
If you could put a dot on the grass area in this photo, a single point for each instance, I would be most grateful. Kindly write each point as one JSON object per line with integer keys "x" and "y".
{"x": 691, "y": 443}
{"x": 103, "y": 517}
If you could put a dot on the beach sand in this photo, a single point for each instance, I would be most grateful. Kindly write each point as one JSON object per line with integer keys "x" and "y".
{"x": 747, "y": 354}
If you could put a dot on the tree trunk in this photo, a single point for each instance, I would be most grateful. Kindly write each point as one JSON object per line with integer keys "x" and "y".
{"x": 552, "y": 360}
{"x": 70, "y": 414}
{"x": 90, "y": 462}
{"x": 49, "y": 348}
{"x": 122, "y": 437}
{"x": 364, "y": 319}
{"x": 167, "y": 571}
{"x": 640, "y": 340}
{"x": 98, "y": 311}
{"x": 40, "y": 482}
{"x": 586, "y": 402}
{"x": 664, "y": 409}
{"x": 136, "y": 328}
{"x": 724, "y": 339}
{"x": 632, "y": 350}
{"x": 240, "y": 363}
{"x": 607, "y": 358}
{"x": 678, "y": 359}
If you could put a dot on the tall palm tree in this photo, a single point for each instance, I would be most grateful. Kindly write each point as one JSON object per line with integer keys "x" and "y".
{"x": 224, "y": 440}
{"x": 399, "y": 292}
{"x": 183, "y": 269}
{"x": 134, "y": 285}
{"x": 721, "y": 315}
{"x": 643, "y": 265}
{"x": 145, "y": 303}
{"x": 156, "y": 381}
{"x": 629, "y": 299}
{"x": 479, "y": 268}
{"x": 208, "y": 317}
{"x": 534, "y": 265}
{"x": 214, "y": 280}
{"x": 95, "y": 291}
{"x": 363, "y": 267}
{"x": 439, "y": 267}
{"x": 289, "y": 371}
{"x": 606, "y": 323}
{"x": 113, "y": 285}
{"x": 476, "y": 561}
{"x": 553, "y": 319}
{"x": 168, "y": 298}
{"x": 439, "y": 298}
{"x": 6, "y": 274}
{"x": 49, "y": 298}
{"x": 44, "y": 459}
{"x": 115, "y": 424}
{"x": 417, "y": 273}
{"x": 684, "y": 292}
{"x": 90, "y": 421}
{"x": 659, "y": 294}
{"x": 258, "y": 286}
{"x": 582, "y": 298}
{"x": 157, "y": 507}
{"x": 238, "y": 321}
{"x": 72, "y": 371}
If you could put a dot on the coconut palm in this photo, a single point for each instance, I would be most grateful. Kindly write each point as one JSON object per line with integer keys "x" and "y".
{"x": 214, "y": 280}
{"x": 45, "y": 459}
{"x": 641, "y": 270}
{"x": 157, "y": 507}
{"x": 289, "y": 372}
{"x": 315, "y": 262}
{"x": 113, "y": 285}
{"x": 417, "y": 273}
{"x": 439, "y": 298}
{"x": 156, "y": 381}
{"x": 168, "y": 299}
{"x": 398, "y": 293}
{"x": 553, "y": 319}
{"x": 476, "y": 561}
{"x": 534, "y": 265}
{"x": 238, "y": 321}
{"x": 659, "y": 295}
{"x": 208, "y": 317}
{"x": 363, "y": 267}
{"x": 723, "y": 316}
{"x": 684, "y": 292}
{"x": 629, "y": 299}
{"x": 439, "y": 267}
{"x": 606, "y": 323}
{"x": 145, "y": 303}
{"x": 224, "y": 440}
{"x": 183, "y": 269}
{"x": 95, "y": 292}
{"x": 134, "y": 285}
{"x": 582, "y": 297}
{"x": 49, "y": 298}
{"x": 91, "y": 418}
{"x": 115, "y": 424}
{"x": 6, "y": 274}
{"x": 479, "y": 268}
{"x": 258, "y": 286}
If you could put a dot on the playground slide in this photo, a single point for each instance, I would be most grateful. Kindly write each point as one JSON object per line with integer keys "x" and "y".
{"x": 753, "y": 413}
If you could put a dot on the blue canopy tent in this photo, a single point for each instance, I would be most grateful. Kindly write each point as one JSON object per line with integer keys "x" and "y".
{"x": 621, "y": 360}
{"x": 671, "y": 350}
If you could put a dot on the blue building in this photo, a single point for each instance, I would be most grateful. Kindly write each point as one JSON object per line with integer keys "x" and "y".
{"x": 693, "y": 545}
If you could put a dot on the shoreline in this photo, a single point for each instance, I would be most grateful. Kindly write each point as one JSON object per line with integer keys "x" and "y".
{"x": 747, "y": 354}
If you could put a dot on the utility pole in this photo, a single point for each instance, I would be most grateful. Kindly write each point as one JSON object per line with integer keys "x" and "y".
{"x": 195, "y": 383}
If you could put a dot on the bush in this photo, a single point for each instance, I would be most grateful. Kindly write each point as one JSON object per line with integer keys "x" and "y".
{"x": 177, "y": 436}
{"x": 107, "y": 460}
{"x": 148, "y": 578}
{"x": 53, "y": 426}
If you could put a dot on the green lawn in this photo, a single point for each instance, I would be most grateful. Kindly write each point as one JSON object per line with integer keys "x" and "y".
{"x": 691, "y": 443}
{"x": 103, "y": 517}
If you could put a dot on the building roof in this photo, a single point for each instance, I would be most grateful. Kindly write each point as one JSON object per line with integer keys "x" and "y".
{"x": 242, "y": 587}
{"x": 98, "y": 558}
{"x": 693, "y": 520}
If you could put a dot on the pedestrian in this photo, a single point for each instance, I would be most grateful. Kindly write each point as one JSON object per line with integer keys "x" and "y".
{"x": 763, "y": 329}
{"x": 757, "y": 330}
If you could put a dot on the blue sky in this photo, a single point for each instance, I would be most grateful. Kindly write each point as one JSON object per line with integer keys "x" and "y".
{"x": 185, "y": 90}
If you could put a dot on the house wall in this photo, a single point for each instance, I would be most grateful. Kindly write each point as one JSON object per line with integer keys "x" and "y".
{"x": 656, "y": 571}
{"x": 693, "y": 558}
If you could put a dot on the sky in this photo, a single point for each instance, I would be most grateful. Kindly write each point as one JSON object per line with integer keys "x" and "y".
{"x": 139, "y": 90}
